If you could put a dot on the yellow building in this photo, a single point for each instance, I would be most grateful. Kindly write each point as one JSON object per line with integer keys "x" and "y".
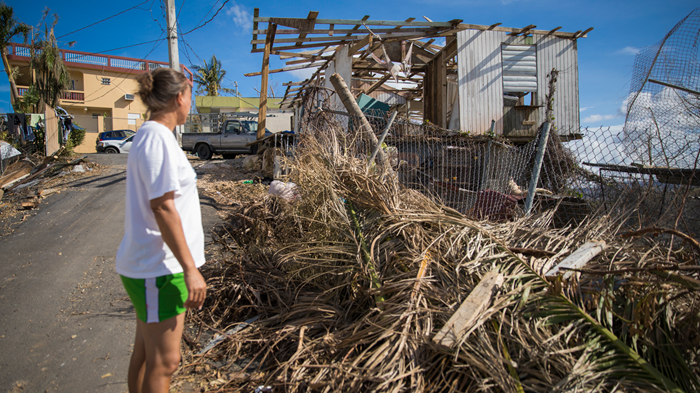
{"x": 101, "y": 91}
{"x": 277, "y": 119}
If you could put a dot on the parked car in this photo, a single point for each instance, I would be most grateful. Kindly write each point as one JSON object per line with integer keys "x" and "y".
{"x": 234, "y": 138}
{"x": 116, "y": 135}
{"x": 114, "y": 146}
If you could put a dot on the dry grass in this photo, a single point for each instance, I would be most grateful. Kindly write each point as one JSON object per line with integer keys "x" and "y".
{"x": 352, "y": 281}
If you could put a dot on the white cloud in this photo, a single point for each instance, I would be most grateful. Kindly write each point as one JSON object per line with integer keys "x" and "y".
{"x": 585, "y": 108}
{"x": 241, "y": 17}
{"x": 598, "y": 118}
{"x": 303, "y": 74}
{"x": 663, "y": 126}
{"x": 600, "y": 145}
{"x": 628, "y": 50}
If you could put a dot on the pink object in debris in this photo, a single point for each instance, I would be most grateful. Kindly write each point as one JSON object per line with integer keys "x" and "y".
{"x": 494, "y": 205}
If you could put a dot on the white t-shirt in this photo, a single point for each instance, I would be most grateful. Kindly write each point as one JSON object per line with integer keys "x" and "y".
{"x": 157, "y": 165}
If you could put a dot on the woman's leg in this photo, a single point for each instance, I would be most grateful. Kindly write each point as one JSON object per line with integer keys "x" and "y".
{"x": 162, "y": 350}
{"x": 138, "y": 361}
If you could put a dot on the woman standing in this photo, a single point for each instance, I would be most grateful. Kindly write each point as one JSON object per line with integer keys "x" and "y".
{"x": 163, "y": 244}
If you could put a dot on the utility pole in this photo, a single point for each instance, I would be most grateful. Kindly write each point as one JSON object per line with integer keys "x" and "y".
{"x": 173, "y": 55}
{"x": 171, "y": 18}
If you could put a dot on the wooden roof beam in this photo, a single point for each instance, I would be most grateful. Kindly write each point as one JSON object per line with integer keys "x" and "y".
{"x": 256, "y": 14}
{"x": 394, "y": 37}
{"x": 524, "y": 31}
{"x": 350, "y": 32}
{"x": 306, "y": 55}
{"x": 309, "y": 61}
{"x": 377, "y": 84}
{"x": 360, "y": 44}
{"x": 577, "y": 35}
{"x": 284, "y": 69}
{"x": 312, "y": 45}
{"x": 311, "y": 17}
{"x": 367, "y": 22}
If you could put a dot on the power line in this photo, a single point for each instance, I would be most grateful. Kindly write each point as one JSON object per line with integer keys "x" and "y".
{"x": 180, "y": 10}
{"x": 110, "y": 17}
{"x": 212, "y": 18}
{"x": 207, "y": 14}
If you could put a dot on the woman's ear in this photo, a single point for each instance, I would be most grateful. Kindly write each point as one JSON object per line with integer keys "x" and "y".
{"x": 180, "y": 99}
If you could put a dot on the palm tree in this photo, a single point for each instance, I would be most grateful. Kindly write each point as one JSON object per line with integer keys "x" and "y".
{"x": 208, "y": 77}
{"x": 52, "y": 76}
{"x": 9, "y": 29}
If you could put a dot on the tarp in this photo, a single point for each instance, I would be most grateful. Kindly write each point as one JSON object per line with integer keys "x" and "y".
{"x": 7, "y": 151}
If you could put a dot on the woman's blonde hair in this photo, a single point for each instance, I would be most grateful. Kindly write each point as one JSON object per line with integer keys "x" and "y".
{"x": 158, "y": 88}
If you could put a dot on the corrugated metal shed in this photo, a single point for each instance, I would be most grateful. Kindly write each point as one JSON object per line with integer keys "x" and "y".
{"x": 562, "y": 54}
{"x": 480, "y": 85}
{"x": 492, "y": 62}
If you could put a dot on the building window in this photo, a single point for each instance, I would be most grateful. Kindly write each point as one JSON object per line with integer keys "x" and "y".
{"x": 72, "y": 84}
{"x": 519, "y": 74}
{"x": 106, "y": 81}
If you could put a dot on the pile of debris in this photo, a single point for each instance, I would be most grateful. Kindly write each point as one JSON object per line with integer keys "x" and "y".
{"x": 357, "y": 284}
{"x": 25, "y": 181}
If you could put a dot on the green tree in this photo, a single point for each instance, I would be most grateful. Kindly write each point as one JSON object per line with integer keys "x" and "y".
{"x": 52, "y": 76}
{"x": 9, "y": 29}
{"x": 208, "y": 77}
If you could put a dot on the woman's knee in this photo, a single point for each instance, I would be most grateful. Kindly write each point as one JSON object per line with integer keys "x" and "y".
{"x": 171, "y": 362}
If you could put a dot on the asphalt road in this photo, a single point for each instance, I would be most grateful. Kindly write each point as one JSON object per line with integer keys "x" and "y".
{"x": 67, "y": 324}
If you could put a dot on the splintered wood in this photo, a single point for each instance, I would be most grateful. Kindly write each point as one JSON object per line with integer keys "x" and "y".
{"x": 577, "y": 259}
{"x": 469, "y": 311}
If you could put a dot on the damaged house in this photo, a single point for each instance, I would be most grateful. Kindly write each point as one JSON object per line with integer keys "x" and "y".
{"x": 445, "y": 80}
{"x": 480, "y": 75}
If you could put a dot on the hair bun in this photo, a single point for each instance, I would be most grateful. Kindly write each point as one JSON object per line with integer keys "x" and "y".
{"x": 145, "y": 84}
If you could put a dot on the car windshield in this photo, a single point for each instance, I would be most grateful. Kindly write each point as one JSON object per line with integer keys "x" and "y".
{"x": 249, "y": 126}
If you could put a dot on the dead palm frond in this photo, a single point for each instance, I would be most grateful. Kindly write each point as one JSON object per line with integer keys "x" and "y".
{"x": 354, "y": 280}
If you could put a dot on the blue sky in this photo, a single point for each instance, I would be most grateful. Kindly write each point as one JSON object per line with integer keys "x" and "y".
{"x": 605, "y": 57}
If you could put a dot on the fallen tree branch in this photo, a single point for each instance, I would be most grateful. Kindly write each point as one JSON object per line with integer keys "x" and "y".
{"x": 674, "y": 232}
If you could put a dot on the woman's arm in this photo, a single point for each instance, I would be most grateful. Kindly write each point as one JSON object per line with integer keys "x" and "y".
{"x": 170, "y": 227}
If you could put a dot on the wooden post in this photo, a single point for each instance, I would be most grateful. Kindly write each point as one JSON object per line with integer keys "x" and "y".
{"x": 262, "y": 113}
{"x": 539, "y": 158}
{"x": 354, "y": 110}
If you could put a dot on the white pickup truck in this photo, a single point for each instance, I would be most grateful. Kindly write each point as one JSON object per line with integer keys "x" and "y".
{"x": 234, "y": 138}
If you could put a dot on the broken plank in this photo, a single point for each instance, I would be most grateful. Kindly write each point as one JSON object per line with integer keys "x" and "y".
{"x": 311, "y": 18}
{"x": 577, "y": 259}
{"x": 292, "y": 68}
{"x": 360, "y": 44}
{"x": 469, "y": 311}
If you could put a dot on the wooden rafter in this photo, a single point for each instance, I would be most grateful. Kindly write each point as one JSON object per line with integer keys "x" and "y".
{"x": 310, "y": 42}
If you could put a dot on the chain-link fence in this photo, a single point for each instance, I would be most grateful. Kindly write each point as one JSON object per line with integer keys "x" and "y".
{"x": 487, "y": 177}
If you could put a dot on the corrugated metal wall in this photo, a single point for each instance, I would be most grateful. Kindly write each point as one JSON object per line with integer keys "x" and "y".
{"x": 562, "y": 54}
{"x": 480, "y": 85}
{"x": 481, "y": 79}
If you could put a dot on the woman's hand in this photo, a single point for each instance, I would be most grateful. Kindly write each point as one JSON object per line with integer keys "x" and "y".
{"x": 197, "y": 288}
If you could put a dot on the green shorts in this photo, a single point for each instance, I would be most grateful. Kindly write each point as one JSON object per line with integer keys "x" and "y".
{"x": 157, "y": 299}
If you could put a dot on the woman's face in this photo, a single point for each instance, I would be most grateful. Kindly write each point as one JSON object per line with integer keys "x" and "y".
{"x": 184, "y": 101}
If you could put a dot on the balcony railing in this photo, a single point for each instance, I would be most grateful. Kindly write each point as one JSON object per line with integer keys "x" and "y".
{"x": 94, "y": 60}
{"x": 67, "y": 95}
{"x": 73, "y": 96}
